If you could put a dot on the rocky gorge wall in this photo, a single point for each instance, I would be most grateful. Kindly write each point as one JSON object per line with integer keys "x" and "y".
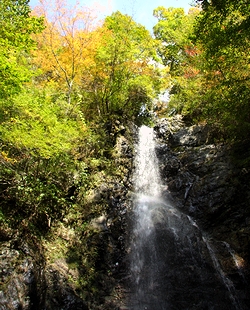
{"x": 204, "y": 180}
{"x": 199, "y": 176}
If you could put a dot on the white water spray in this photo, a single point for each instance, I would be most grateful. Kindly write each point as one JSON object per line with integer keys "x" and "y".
{"x": 147, "y": 178}
{"x": 147, "y": 198}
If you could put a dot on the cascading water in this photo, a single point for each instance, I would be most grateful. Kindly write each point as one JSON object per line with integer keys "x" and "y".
{"x": 147, "y": 177}
{"x": 170, "y": 264}
{"x": 144, "y": 266}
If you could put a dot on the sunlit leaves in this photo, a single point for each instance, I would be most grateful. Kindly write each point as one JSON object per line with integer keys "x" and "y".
{"x": 40, "y": 125}
{"x": 181, "y": 56}
{"x": 66, "y": 46}
{"x": 173, "y": 32}
{"x": 222, "y": 31}
{"x": 125, "y": 53}
{"x": 16, "y": 25}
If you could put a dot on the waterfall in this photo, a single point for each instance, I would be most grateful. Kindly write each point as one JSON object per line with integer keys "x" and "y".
{"x": 146, "y": 177}
{"x": 144, "y": 267}
{"x": 171, "y": 266}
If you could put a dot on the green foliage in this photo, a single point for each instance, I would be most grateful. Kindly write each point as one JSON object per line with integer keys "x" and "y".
{"x": 124, "y": 79}
{"x": 17, "y": 24}
{"x": 36, "y": 191}
{"x": 222, "y": 30}
{"x": 12, "y": 75}
{"x": 16, "y": 27}
{"x": 173, "y": 34}
{"x": 37, "y": 122}
{"x": 207, "y": 52}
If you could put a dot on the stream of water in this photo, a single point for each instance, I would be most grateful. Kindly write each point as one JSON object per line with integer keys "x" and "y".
{"x": 172, "y": 265}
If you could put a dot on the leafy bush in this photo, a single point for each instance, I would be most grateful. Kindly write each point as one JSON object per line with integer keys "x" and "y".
{"x": 37, "y": 191}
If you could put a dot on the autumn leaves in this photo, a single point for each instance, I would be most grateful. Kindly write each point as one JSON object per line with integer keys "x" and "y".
{"x": 100, "y": 66}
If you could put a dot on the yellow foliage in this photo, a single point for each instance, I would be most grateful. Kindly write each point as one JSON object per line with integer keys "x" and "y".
{"x": 67, "y": 46}
{"x": 5, "y": 157}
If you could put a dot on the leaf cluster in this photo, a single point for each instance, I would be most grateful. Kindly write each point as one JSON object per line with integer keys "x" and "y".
{"x": 225, "y": 42}
{"x": 35, "y": 192}
{"x": 39, "y": 124}
{"x": 207, "y": 52}
{"x": 16, "y": 27}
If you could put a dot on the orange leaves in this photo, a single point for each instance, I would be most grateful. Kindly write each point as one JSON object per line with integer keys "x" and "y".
{"x": 68, "y": 43}
{"x": 95, "y": 66}
{"x": 192, "y": 51}
{"x": 191, "y": 72}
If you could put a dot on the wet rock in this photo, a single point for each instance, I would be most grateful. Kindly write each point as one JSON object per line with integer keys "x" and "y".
{"x": 100, "y": 223}
{"x": 59, "y": 295}
{"x": 26, "y": 283}
{"x": 203, "y": 182}
{"x": 21, "y": 279}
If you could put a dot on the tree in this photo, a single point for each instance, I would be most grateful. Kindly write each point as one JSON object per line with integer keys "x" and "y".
{"x": 223, "y": 32}
{"x": 39, "y": 125}
{"x": 30, "y": 119}
{"x": 16, "y": 27}
{"x": 177, "y": 51}
{"x": 173, "y": 32}
{"x": 66, "y": 46}
{"x": 124, "y": 78}
{"x": 35, "y": 137}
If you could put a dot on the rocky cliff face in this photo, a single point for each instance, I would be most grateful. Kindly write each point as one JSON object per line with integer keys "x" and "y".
{"x": 200, "y": 178}
{"x": 204, "y": 181}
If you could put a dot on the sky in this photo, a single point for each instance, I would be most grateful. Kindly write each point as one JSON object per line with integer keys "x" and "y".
{"x": 140, "y": 10}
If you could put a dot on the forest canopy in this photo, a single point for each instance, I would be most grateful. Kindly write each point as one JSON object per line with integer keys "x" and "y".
{"x": 208, "y": 54}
